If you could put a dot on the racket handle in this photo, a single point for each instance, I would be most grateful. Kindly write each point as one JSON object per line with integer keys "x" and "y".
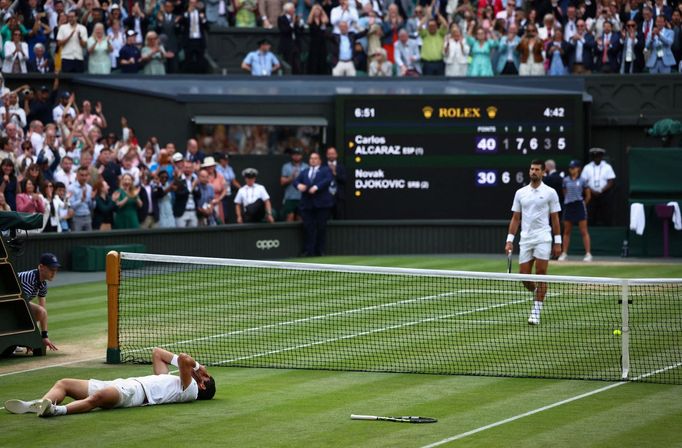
{"x": 363, "y": 417}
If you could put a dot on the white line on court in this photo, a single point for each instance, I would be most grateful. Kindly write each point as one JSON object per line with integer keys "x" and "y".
{"x": 549, "y": 406}
{"x": 50, "y": 366}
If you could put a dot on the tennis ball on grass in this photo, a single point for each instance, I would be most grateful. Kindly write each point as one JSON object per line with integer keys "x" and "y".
{"x": 617, "y": 332}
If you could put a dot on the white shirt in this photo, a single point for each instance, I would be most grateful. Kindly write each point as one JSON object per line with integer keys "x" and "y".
{"x": 247, "y": 195}
{"x": 166, "y": 388}
{"x": 338, "y": 15}
{"x": 66, "y": 179}
{"x": 58, "y": 113}
{"x": 72, "y": 49}
{"x": 535, "y": 205}
{"x": 597, "y": 176}
{"x": 17, "y": 114}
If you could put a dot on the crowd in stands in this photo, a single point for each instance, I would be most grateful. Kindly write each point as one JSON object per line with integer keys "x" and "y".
{"x": 476, "y": 38}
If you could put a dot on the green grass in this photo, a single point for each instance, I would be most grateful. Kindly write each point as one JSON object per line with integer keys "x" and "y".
{"x": 295, "y": 408}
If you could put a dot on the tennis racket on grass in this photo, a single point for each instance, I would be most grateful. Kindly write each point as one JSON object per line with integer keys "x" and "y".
{"x": 509, "y": 262}
{"x": 408, "y": 419}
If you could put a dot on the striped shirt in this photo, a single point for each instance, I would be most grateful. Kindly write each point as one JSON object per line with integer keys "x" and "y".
{"x": 574, "y": 189}
{"x": 31, "y": 285}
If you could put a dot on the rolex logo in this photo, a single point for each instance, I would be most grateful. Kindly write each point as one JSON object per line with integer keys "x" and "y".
{"x": 492, "y": 112}
{"x": 428, "y": 112}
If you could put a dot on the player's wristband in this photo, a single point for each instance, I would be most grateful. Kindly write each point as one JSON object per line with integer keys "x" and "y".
{"x": 43, "y": 334}
{"x": 197, "y": 367}
{"x": 174, "y": 361}
{"x": 510, "y": 238}
{"x": 557, "y": 239}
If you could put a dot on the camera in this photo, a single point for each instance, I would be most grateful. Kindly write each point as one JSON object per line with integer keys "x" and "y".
{"x": 26, "y": 92}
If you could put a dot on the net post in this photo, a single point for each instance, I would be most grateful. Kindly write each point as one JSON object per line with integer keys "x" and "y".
{"x": 113, "y": 281}
{"x": 625, "y": 330}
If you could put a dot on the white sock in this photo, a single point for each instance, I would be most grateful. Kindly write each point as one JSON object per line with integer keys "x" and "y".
{"x": 537, "y": 307}
{"x": 59, "y": 410}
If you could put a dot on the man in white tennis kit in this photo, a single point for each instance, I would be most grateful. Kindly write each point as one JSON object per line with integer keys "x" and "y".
{"x": 193, "y": 383}
{"x": 533, "y": 204}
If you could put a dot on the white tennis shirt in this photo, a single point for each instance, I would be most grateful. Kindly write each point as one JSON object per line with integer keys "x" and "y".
{"x": 167, "y": 388}
{"x": 535, "y": 205}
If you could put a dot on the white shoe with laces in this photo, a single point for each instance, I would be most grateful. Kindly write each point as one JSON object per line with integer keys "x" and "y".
{"x": 22, "y": 407}
{"x": 588, "y": 257}
{"x": 533, "y": 320}
{"x": 563, "y": 256}
{"x": 46, "y": 408}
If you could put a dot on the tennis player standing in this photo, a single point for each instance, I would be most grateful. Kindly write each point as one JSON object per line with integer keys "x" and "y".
{"x": 533, "y": 205}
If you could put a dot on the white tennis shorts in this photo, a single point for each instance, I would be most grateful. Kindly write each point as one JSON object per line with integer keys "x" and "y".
{"x": 130, "y": 391}
{"x": 540, "y": 251}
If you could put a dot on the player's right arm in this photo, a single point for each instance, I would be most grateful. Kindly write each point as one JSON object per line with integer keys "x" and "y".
{"x": 513, "y": 228}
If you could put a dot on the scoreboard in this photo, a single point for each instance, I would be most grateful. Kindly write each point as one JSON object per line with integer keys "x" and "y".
{"x": 460, "y": 157}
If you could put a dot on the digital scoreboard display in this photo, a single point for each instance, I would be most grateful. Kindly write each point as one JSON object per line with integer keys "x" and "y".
{"x": 421, "y": 157}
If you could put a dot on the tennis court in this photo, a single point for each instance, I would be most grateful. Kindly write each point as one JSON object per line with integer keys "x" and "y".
{"x": 296, "y": 406}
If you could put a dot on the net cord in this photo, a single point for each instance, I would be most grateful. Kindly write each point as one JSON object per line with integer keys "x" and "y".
{"x": 382, "y": 270}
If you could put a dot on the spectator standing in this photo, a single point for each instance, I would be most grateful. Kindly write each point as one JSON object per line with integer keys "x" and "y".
{"x": 65, "y": 211}
{"x": 194, "y": 154}
{"x": 204, "y": 197}
{"x": 168, "y": 28}
{"x": 407, "y": 55}
{"x": 154, "y": 55}
{"x": 600, "y": 178}
{"x": 676, "y": 27}
{"x": 660, "y": 9}
{"x": 161, "y": 189}
{"x": 481, "y": 49}
{"x": 108, "y": 169}
{"x": 530, "y": 53}
{"x": 380, "y": 65}
{"x": 338, "y": 189}
{"x": 219, "y": 185}
{"x": 317, "y": 51}
{"x": 66, "y": 102}
{"x": 290, "y": 28}
{"x": 29, "y": 200}
{"x": 127, "y": 202}
{"x": 231, "y": 184}
{"x": 99, "y": 47}
{"x": 433, "y": 41}
{"x": 659, "y": 43}
{"x": 38, "y": 106}
{"x": 343, "y": 44}
{"x": 252, "y": 202}
{"x": 72, "y": 38}
{"x": 41, "y": 62}
{"x": 508, "y": 60}
{"x": 270, "y": 10}
{"x": 292, "y": 196}
{"x": 138, "y": 22}
{"x": 632, "y": 56}
{"x": 608, "y": 50}
{"x": 16, "y": 54}
{"x": 148, "y": 212}
{"x": 53, "y": 210}
{"x": 316, "y": 204}
{"x": 117, "y": 38}
{"x": 129, "y": 56}
{"x": 65, "y": 173}
{"x": 344, "y": 12}
{"x": 13, "y": 117}
{"x": 580, "y": 52}
{"x": 261, "y": 62}
{"x": 215, "y": 13}
{"x": 82, "y": 201}
{"x": 184, "y": 206}
{"x": 246, "y": 10}
{"x": 194, "y": 43}
{"x": 557, "y": 54}
{"x": 103, "y": 213}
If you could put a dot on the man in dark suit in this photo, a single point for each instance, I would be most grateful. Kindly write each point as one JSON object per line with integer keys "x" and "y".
{"x": 148, "y": 214}
{"x": 289, "y": 37}
{"x": 553, "y": 179}
{"x": 184, "y": 206}
{"x": 168, "y": 27}
{"x": 316, "y": 204}
{"x": 632, "y": 41}
{"x": 608, "y": 50}
{"x": 676, "y": 26}
{"x": 195, "y": 27}
{"x": 581, "y": 48}
{"x": 40, "y": 62}
{"x": 339, "y": 173}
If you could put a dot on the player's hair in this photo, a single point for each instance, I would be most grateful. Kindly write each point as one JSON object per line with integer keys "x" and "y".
{"x": 538, "y": 162}
{"x": 209, "y": 391}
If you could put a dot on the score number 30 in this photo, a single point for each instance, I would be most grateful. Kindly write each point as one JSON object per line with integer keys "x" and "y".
{"x": 488, "y": 178}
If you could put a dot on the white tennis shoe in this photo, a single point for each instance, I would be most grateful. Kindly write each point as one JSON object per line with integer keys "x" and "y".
{"x": 563, "y": 256}
{"x": 588, "y": 257}
{"x": 22, "y": 407}
{"x": 534, "y": 320}
{"x": 46, "y": 408}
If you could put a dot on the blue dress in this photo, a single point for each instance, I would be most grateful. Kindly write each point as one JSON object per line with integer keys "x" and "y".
{"x": 481, "y": 65}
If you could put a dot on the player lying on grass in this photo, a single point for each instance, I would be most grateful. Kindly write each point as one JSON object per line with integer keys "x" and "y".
{"x": 193, "y": 383}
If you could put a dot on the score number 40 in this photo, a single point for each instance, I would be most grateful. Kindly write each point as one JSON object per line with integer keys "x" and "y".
{"x": 488, "y": 178}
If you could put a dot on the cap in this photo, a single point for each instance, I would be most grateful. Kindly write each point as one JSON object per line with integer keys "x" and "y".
{"x": 49, "y": 260}
{"x": 208, "y": 161}
{"x": 66, "y": 94}
{"x": 575, "y": 164}
{"x": 597, "y": 151}
{"x": 220, "y": 156}
{"x": 177, "y": 157}
{"x": 44, "y": 88}
{"x": 250, "y": 172}
{"x": 115, "y": 6}
{"x": 297, "y": 150}
{"x": 130, "y": 33}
